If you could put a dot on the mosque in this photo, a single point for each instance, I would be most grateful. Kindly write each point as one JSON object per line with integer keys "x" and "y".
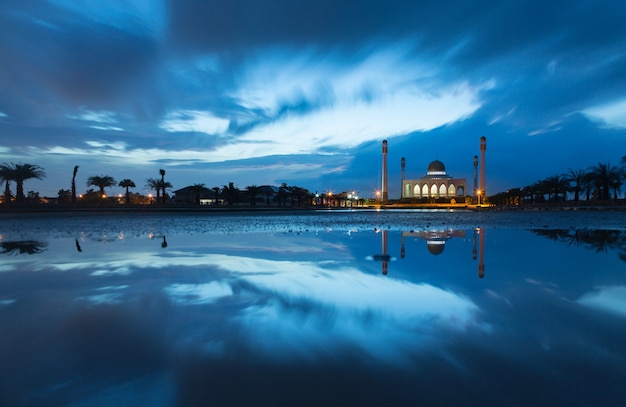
{"x": 437, "y": 185}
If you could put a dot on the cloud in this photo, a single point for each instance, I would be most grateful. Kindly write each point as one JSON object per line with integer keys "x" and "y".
{"x": 308, "y": 105}
{"x": 612, "y": 114}
{"x": 194, "y": 121}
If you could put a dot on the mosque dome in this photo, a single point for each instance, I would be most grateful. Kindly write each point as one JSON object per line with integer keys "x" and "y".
{"x": 436, "y": 168}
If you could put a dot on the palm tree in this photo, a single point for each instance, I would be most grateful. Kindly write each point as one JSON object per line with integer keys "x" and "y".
{"x": 20, "y": 173}
{"x": 162, "y": 172}
{"x": 616, "y": 185}
{"x": 23, "y": 247}
{"x": 578, "y": 179}
{"x": 74, "y": 183}
{"x": 101, "y": 182}
{"x": 253, "y": 191}
{"x": 283, "y": 194}
{"x": 602, "y": 174}
{"x": 126, "y": 183}
{"x": 557, "y": 184}
{"x": 231, "y": 193}
{"x": 6, "y": 176}
{"x": 155, "y": 184}
{"x": 164, "y": 185}
{"x": 616, "y": 181}
{"x": 587, "y": 184}
{"x": 542, "y": 188}
{"x": 64, "y": 195}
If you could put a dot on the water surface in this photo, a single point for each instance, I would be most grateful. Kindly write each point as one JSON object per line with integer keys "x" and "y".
{"x": 410, "y": 308}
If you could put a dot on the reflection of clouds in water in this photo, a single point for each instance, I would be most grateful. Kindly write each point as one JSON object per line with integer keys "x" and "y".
{"x": 314, "y": 310}
{"x": 101, "y": 299}
{"x": 4, "y": 268}
{"x": 191, "y": 294}
{"x": 106, "y": 295}
{"x": 607, "y": 299}
{"x": 124, "y": 270}
{"x": 6, "y": 302}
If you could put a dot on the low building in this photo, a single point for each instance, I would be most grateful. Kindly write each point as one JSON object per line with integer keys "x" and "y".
{"x": 192, "y": 195}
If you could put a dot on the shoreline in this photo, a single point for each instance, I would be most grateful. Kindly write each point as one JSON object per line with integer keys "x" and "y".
{"x": 144, "y": 209}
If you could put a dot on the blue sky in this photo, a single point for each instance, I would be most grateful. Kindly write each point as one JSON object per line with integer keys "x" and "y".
{"x": 304, "y": 92}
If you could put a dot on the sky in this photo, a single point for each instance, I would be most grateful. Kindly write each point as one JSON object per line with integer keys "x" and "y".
{"x": 304, "y": 92}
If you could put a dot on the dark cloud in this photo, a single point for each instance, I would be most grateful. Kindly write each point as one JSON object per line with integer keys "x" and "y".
{"x": 53, "y": 55}
{"x": 244, "y": 23}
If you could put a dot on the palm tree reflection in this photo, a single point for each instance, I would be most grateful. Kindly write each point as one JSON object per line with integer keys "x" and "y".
{"x": 600, "y": 241}
{"x": 23, "y": 247}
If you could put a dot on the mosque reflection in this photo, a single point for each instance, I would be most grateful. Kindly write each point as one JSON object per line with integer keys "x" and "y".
{"x": 435, "y": 245}
{"x": 23, "y": 247}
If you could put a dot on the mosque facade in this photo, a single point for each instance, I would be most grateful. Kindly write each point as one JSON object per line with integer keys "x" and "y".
{"x": 435, "y": 185}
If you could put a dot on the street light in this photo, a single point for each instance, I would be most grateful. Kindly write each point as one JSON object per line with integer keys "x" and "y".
{"x": 478, "y": 192}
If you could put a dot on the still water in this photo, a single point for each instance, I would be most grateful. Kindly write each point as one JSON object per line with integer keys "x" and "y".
{"x": 411, "y": 308}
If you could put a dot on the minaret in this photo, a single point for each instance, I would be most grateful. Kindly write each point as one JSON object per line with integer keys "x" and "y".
{"x": 385, "y": 193}
{"x": 475, "y": 175}
{"x": 402, "y": 165}
{"x": 483, "y": 148}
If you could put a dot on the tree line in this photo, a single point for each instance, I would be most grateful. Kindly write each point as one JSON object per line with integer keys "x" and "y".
{"x": 229, "y": 194}
{"x": 599, "y": 182}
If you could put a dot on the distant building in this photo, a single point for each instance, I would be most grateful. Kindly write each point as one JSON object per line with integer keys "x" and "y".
{"x": 436, "y": 184}
{"x": 189, "y": 196}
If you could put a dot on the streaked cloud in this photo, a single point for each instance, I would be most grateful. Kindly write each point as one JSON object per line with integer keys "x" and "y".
{"x": 611, "y": 114}
{"x": 196, "y": 121}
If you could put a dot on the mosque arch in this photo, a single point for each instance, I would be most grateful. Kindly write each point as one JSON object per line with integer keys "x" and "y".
{"x": 433, "y": 190}
{"x": 425, "y": 190}
{"x": 443, "y": 190}
{"x": 416, "y": 190}
{"x": 460, "y": 190}
{"x": 451, "y": 190}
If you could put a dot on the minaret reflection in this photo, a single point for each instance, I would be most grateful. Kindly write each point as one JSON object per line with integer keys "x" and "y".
{"x": 474, "y": 251}
{"x": 384, "y": 257}
{"x": 481, "y": 252}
